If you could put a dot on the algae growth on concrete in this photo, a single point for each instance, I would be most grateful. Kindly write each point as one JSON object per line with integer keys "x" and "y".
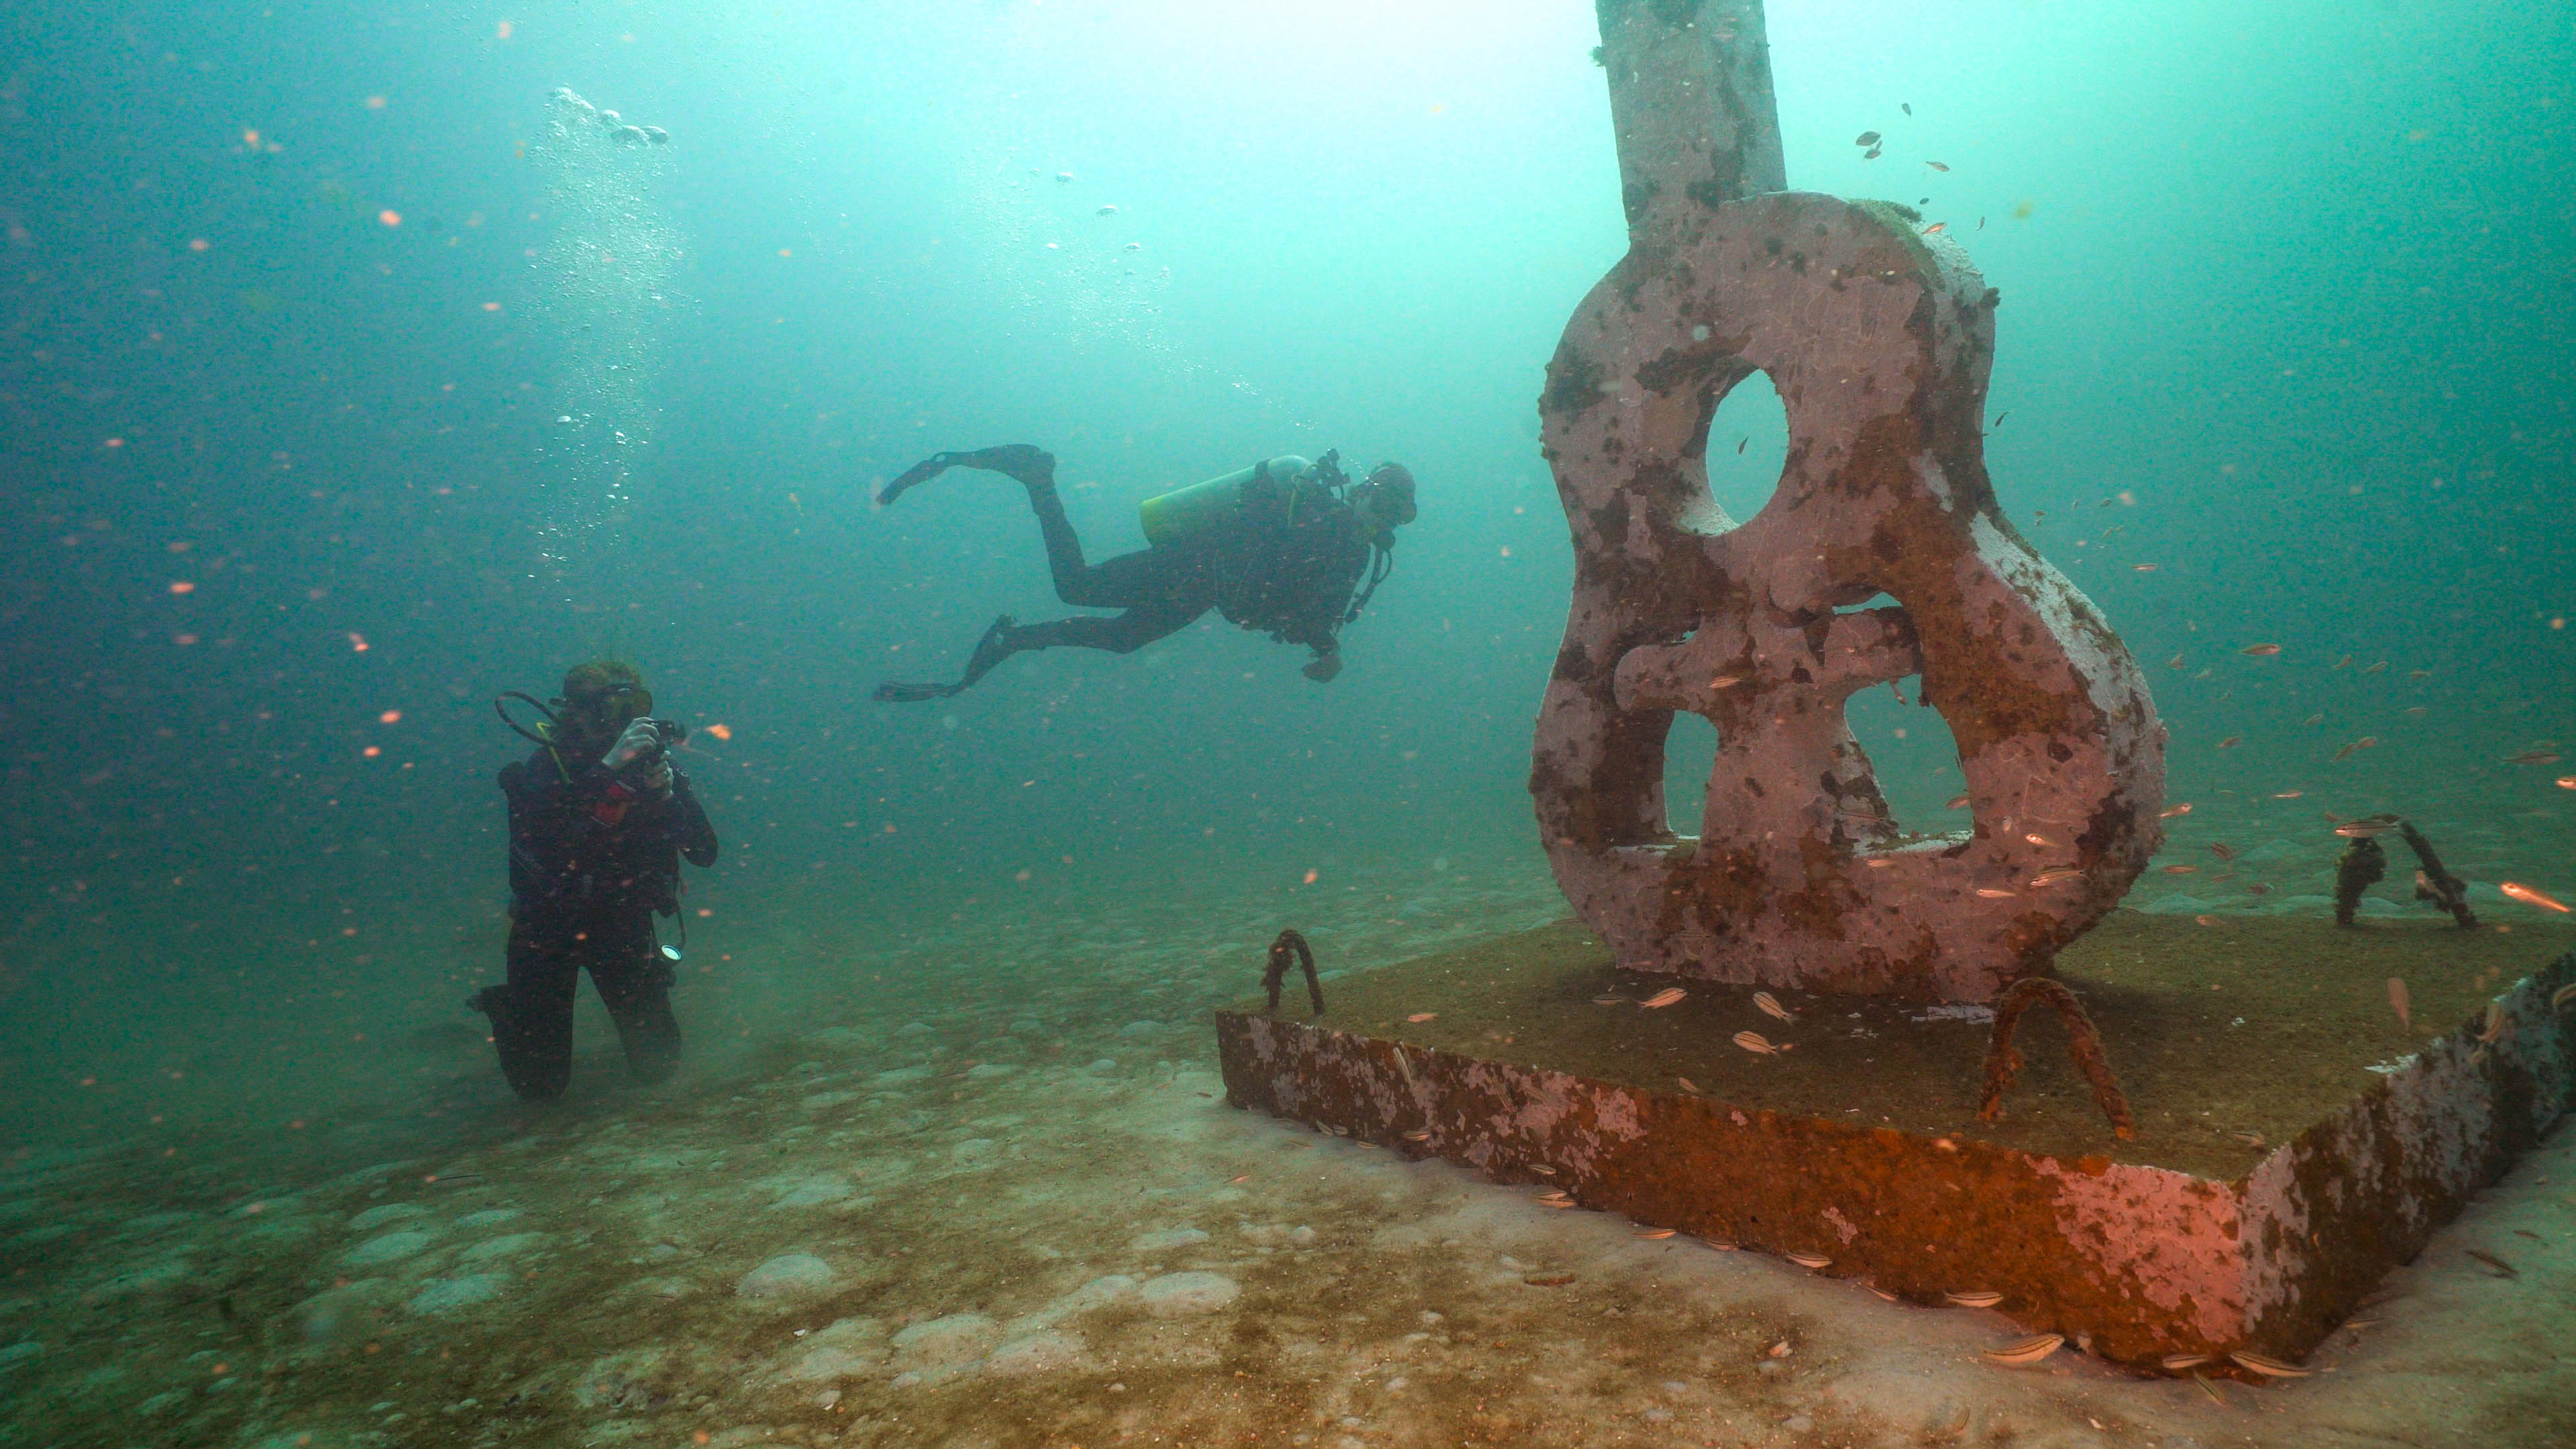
{"x": 2226, "y": 1037}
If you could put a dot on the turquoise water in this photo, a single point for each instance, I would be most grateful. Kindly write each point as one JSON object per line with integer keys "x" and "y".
{"x": 347, "y": 379}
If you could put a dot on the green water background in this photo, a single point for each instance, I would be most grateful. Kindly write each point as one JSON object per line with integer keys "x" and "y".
{"x": 2295, "y": 279}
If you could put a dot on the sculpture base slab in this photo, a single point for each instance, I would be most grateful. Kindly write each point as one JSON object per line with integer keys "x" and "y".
{"x": 2295, "y": 1138}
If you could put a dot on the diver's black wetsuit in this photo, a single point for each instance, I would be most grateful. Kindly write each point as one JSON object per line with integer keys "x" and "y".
{"x": 591, "y": 860}
{"x": 1288, "y": 567}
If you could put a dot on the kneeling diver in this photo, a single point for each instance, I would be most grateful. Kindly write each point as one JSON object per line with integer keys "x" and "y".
{"x": 1281, "y": 546}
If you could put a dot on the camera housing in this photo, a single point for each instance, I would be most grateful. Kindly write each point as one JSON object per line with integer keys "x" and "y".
{"x": 666, "y": 733}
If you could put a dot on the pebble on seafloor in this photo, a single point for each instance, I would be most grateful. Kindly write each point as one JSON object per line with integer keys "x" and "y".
{"x": 787, "y": 1276}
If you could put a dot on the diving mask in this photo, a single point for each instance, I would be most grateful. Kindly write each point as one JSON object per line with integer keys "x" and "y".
{"x": 611, "y": 710}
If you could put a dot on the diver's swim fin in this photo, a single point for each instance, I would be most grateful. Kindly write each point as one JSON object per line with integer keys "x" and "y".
{"x": 919, "y": 473}
{"x": 1027, "y": 462}
{"x": 891, "y": 693}
{"x": 991, "y": 649}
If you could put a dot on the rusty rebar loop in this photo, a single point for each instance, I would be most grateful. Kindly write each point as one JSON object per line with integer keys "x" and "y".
{"x": 1290, "y": 949}
{"x": 2436, "y": 884}
{"x": 2083, "y": 1040}
{"x": 2362, "y": 862}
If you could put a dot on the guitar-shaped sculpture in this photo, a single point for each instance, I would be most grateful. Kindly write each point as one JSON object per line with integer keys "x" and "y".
{"x": 1878, "y": 338}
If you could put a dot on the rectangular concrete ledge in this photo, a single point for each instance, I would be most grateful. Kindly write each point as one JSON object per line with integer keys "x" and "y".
{"x": 2296, "y": 1140}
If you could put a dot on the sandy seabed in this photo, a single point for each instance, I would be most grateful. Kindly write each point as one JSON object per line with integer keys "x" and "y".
{"x": 1003, "y": 1202}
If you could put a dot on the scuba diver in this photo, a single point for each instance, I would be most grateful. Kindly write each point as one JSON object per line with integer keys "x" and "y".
{"x": 1281, "y": 546}
{"x": 599, "y": 823}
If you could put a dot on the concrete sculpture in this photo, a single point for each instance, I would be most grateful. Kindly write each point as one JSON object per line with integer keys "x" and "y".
{"x": 1878, "y": 337}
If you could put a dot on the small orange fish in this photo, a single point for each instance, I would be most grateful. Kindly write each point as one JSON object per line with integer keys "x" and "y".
{"x": 1422, "y": 1016}
{"x": 1992, "y": 894}
{"x": 1957, "y": 802}
{"x": 718, "y": 731}
{"x": 2565, "y": 782}
{"x": 2261, "y": 651}
{"x": 2181, "y": 869}
{"x": 2052, "y": 877}
{"x": 2223, "y": 852}
{"x": 1665, "y": 997}
{"x": 1935, "y": 165}
{"x": 1938, "y": 226}
{"x": 2540, "y": 756}
{"x": 2231, "y": 742}
{"x": 2288, "y": 794}
{"x": 2175, "y": 662}
{"x": 2144, "y": 568}
{"x": 2170, "y": 812}
{"x": 2205, "y": 920}
{"x": 1755, "y": 1042}
{"x": 2419, "y": 674}
{"x": 1866, "y": 138}
{"x": 2530, "y": 897}
{"x": 2343, "y": 663}
{"x": 2375, "y": 668}
{"x": 1742, "y": 441}
{"x": 2365, "y": 742}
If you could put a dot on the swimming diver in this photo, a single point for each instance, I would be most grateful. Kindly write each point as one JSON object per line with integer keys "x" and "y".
{"x": 1282, "y": 546}
{"x": 599, "y": 823}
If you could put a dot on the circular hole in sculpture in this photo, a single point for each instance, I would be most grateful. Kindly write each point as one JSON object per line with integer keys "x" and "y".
{"x": 1747, "y": 446}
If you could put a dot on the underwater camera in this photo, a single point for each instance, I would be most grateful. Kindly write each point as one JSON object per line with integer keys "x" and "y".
{"x": 666, "y": 733}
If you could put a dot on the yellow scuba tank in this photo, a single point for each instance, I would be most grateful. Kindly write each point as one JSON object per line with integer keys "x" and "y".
{"x": 1170, "y": 518}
